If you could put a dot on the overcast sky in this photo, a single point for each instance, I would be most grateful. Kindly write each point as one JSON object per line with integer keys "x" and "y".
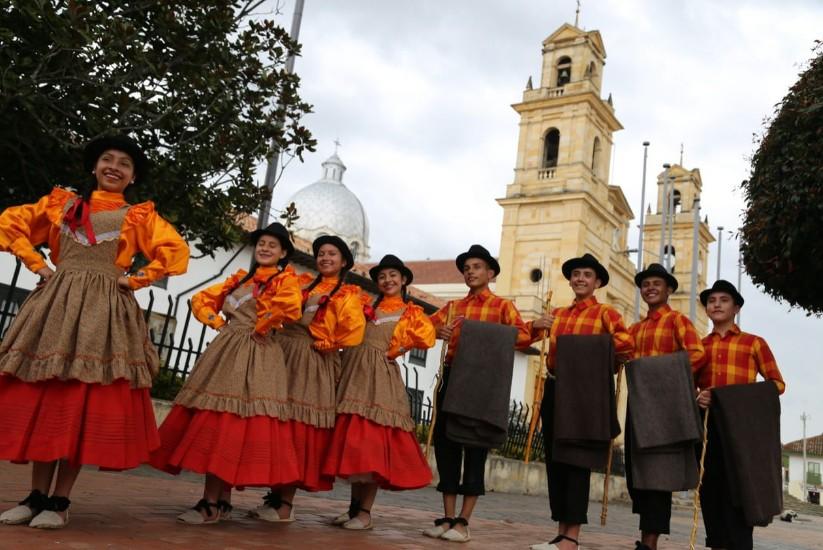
{"x": 419, "y": 95}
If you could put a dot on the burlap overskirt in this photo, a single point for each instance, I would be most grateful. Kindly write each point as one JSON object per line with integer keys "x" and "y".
{"x": 80, "y": 326}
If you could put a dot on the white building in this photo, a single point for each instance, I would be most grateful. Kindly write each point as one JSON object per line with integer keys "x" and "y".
{"x": 793, "y": 467}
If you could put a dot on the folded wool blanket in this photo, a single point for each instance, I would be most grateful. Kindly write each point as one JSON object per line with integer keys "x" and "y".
{"x": 477, "y": 396}
{"x": 664, "y": 423}
{"x": 747, "y": 418}
{"x": 585, "y": 411}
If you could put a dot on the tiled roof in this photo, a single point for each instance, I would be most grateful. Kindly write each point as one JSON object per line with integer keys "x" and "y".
{"x": 814, "y": 446}
{"x": 430, "y": 272}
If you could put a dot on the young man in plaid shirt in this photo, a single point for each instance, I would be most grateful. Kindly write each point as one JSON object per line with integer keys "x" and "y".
{"x": 733, "y": 357}
{"x": 569, "y": 485}
{"x": 661, "y": 332}
{"x": 478, "y": 268}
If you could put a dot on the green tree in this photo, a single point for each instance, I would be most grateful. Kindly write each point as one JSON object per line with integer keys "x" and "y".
{"x": 783, "y": 222}
{"x": 201, "y": 84}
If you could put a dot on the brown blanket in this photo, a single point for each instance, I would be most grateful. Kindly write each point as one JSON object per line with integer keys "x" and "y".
{"x": 477, "y": 396}
{"x": 747, "y": 417}
{"x": 585, "y": 411}
{"x": 664, "y": 422}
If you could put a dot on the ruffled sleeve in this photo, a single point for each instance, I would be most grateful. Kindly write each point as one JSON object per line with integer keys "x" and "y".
{"x": 281, "y": 302}
{"x": 343, "y": 323}
{"x": 24, "y": 227}
{"x": 144, "y": 230}
{"x": 413, "y": 330}
{"x": 206, "y": 304}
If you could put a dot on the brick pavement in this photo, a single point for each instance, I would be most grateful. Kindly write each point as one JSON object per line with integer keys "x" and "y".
{"x": 137, "y": 510}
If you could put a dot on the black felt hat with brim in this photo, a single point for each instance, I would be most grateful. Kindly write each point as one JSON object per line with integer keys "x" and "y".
{"x": 656, "y": 270}
{"x": 390, "y": 261}
{"x": 477, "y": 251}
{"x": 336, "y": 242}
{"x": 278, "y": 231}
{"x": 586, "y": 260}
{"x": 119, "y": 142}
{"x": 721, "y": 286}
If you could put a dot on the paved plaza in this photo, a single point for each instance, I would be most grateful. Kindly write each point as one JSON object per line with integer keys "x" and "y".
{"x": 137, "y": 509}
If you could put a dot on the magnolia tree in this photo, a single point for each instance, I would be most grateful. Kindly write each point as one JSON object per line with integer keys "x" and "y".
{"x": 201, "y": 84}
{"x": 782, "y": 234}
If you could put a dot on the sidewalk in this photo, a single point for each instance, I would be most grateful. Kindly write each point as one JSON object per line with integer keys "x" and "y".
{"x": 137, "y": 510}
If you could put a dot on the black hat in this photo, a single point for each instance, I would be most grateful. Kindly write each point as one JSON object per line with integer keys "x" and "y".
{"x": 390, "y": 261}
{"x": 586, "y": 260}
{"x": 336, "y": 242}
{"x": 477, "y": 251}
{"x": 656, "y": 270}
{"x": 278, "y": 231}
{"x": 119, "y": 142}
{"x": 721, "y": 286}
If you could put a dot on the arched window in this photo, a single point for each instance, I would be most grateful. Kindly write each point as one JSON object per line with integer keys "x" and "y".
{"x": 596, "y": 156}
{"x": 564, "y": 71}
{"x": 676, "y": 201}
{"x": 551, "y": 145}
{"x": 590, "y": 70}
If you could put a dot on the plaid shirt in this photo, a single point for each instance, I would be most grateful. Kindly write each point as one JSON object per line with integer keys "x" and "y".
{"x": 590, "y": 317}
{"x": 736, "y": 358}
{"x": 484, "y": 306}
{"x": 665, "y": 330}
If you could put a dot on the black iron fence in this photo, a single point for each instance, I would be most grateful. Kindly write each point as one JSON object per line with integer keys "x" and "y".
{"x": 178, "y": 355}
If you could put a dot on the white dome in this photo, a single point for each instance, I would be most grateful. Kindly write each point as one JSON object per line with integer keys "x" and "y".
{"x": 328, "y": 207}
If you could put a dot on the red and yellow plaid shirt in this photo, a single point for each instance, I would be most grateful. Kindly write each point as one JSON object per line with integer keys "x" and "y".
{"x": 736, "y": 358}
{"x": 590, "y": 317}
{"x": 665, "y": 330}
{"x": 484, "y": 306}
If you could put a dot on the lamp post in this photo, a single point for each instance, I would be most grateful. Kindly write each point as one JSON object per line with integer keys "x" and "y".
{"x": 642, "y": 226}
{"x": 695, "y": 253}
{"x": 719, "y": 249}
{"x": 664, "y": 213}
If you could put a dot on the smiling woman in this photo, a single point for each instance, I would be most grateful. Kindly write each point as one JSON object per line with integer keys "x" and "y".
{"x": 76, "y": 365}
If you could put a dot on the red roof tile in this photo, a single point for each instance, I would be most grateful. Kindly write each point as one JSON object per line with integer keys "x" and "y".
{"x": 431, "y": 272}
{"x": 814, "y": 446}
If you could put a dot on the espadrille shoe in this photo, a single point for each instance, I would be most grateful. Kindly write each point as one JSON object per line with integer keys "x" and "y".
{"x": 194, "y": 516}
{"x": 441, "y": 525}
{"x": 50, "y": 518}
{"x": 25, "y": 510}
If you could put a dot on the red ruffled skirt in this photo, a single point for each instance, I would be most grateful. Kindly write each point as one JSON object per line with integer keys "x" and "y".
{"x": 254, "y": 451}
{"x": 111, "y": 426}
{"x": 391, "y": 456}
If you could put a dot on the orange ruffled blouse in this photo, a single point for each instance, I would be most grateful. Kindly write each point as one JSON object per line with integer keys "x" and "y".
{"x": 342, "y": 325}
{"x": 413, "y": 330}
{"x": 279, "y": 302}
{"x": 143, "y": 230}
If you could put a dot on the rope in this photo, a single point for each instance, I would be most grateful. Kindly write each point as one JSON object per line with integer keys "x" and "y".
{"x": 696, "y": 515}
{"x": 443, "y": 351}
{"x": 604, "y": 510}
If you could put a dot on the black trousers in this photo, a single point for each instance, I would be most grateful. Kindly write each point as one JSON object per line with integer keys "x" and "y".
{"x": 725, "y": 524}
{"x": 450, "y": 456}
{"x": 654, "y": 507}
{"x": 568, "y": 485}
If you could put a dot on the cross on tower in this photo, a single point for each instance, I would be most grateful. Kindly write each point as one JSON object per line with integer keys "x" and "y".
{"x": 336, "y": 145}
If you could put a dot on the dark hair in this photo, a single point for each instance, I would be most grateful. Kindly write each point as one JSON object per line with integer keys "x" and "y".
{"x": 249, "y": 275}
{"x": 319, "y": 278}
{"x": 403, "y": 295}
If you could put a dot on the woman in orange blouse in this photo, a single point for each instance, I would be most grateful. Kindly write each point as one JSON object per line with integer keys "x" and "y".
{"x": 332, "y": 319}
{"x": 374, "y": 442}
{"x": 76, "y": 365}
{"x": 230, "y": 419}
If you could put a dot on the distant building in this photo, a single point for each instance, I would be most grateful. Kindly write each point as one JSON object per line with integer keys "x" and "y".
{"x": 793, "y": 467}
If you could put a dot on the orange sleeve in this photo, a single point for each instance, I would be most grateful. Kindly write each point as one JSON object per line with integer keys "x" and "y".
{"x": 282, "y": 302}
{"x": 766, "y": 364}
{"x": 206, "y": 304}
{"x": 413, "y": 330}
{"x": 24, "y": 227}
{"x": 512, "y": 318}
{"x": 146, "y": 231}
{"x": 688, "y": 339}
{"x": 623, "y": 341}
{"x": 343, "y": 323}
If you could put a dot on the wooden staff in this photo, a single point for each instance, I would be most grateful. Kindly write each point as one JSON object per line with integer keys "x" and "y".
{"x": 696, "y": 516}
{"x": 604, "y": 510}
{"x": 443, "y": 351}
{"x": 539, "y": 379}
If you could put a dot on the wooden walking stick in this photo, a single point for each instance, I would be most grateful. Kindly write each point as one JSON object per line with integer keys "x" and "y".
{"x": 604, "y": 510}
{"x": 539, "y": 379}
{"x": 443, "y": 351}
{"x": 696, "y": 516}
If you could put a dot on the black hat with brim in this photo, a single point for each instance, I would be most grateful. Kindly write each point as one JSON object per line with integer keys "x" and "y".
{"x": 336, "y": 242}
{"x": 656, "y": 270}
{"x": 98, "y": 146}
{"x": 390, "y": 261}
{"x": 278, "y": 231}
{"x": 586, "y": 260}
{"x": 477, "y": 251}
{"x": 721, "y": 286}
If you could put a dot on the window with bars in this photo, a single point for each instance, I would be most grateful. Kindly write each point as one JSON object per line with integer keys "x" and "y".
{"x": 418, "y": 357}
